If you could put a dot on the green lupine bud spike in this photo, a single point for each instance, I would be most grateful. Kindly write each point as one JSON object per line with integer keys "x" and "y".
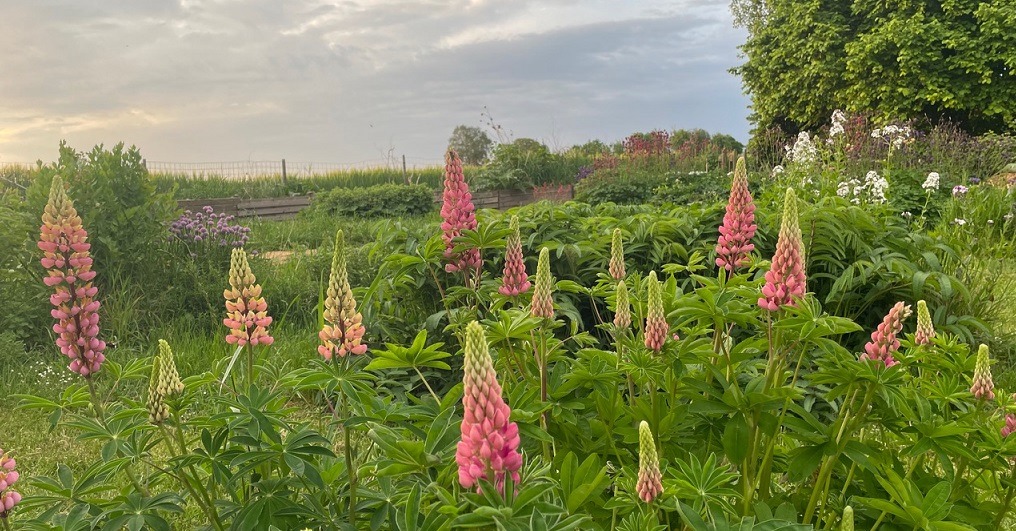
{"x": 848, "y": 519}
{"x": 650, "y": 480}
{"x": 167, "y": 369}
{"x": 543, "y": 301}
{"x": 622, "y": 306}
{"x": 925, "y": 328}
{"x": 656, "y": 321}
{"x": 983, "y": 387}
{"x": 157, "y": 410}
{"x": 616, "y": 266}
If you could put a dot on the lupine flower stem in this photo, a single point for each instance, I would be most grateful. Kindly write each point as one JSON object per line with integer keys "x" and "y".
{"x": 347, "y": 445}
{"x": 846, "y": 423}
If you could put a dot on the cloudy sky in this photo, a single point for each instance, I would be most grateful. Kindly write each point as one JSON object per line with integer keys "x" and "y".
{"x": 352, "y": 81}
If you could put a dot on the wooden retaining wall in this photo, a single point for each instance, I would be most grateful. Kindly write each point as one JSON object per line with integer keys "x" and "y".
{"x": 287, "y": 207}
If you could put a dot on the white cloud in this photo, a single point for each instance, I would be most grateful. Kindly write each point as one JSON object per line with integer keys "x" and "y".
{"x": 348, "y": 80}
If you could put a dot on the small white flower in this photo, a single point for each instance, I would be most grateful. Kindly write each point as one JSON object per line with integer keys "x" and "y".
{"x": 875, "y": 133}
{"x": 777, "y": 169}
{"x": 1008, "y": 217}
{"x": 991, "y": 222}
{"x": 932, "y": 182}
{"x": 907, "y": 214}
{"x": 960, "y": 221}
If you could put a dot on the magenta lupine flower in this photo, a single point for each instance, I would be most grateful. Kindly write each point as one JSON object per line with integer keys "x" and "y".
{"x": 543, "y": 299}
{"x": 343, "y": 331}
{"x": 65, "y": 247}
{"x": 515, "y": 280}
{"x": 925, "y": 328}
{"x": 8, "y": 476}
{"x": 246, "y": 310}
{"x": 489, "y": 448}
{"x": 458, "y": 214}
{"x": 983, "y": 386}
{"x": 656, "y": 322}
{"x": 738, "y": 226}
{"x": 883, "y": 342}
{"x": 785, "y": 279}
{"x": 616, "y": 264}
{"x": 650, "y": 482}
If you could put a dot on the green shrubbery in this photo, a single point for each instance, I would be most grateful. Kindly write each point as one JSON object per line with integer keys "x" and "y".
{"x": 384, "y": 200}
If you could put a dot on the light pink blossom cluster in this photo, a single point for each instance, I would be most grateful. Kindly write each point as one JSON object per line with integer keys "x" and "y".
{"x": 650, "y": 481}
{"x": 656, "y": 321}
{"x": 738, "y": 226}
{"x": 489, "y": 448}
{"x": 515, "y": 281}
{"x": 343, "y": 331}
{"x": 8, "y": 476}
{"x": 785, "y": 279}
{"x": 246, "y": 310}
{"x": 65, "y": 247}
{"x": 458, "y": 214}
{"x": 884, "y": 342}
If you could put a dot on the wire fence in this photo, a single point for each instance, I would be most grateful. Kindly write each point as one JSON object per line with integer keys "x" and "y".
{"x": 249, "y": 169}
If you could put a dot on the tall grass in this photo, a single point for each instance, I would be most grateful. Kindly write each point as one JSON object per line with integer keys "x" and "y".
{"x": 211, "y": 186}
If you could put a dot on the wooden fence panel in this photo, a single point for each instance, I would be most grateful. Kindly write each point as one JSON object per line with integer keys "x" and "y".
{"x": 287, "y": 207}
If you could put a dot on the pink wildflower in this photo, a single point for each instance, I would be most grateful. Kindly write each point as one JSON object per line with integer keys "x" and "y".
{"x": 650, "y": 482}
{"x": 883, "y": 342}
{"x": 489, "y": 448}
{"x": 65, "y": 247}
{"x": 458, "y": 214}
{"x": 343, "y": 332}
{"x": 8, "y": 476}
{"x": 983, "y": 386}
{"x": 738, "y": 226}
{"x": 656, "y": 322}
{"x": 246, "y": 310}
{"x": 516, "y": 280}
{"x": 785, "y": 279}
{"x": 1010, "y": 425}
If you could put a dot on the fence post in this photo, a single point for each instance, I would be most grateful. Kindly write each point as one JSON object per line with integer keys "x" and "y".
{"x": 404, "y": 177}
{"x": 283, "y": 172}
{"x": 144, "y": 164}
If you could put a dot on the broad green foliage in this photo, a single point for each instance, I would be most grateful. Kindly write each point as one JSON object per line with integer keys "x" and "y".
{"x": 383, "y": 200}
{"x": 913, "y": 59}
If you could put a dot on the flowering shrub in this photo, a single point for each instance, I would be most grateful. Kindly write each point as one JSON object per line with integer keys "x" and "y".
{"x": 210, "y": 227}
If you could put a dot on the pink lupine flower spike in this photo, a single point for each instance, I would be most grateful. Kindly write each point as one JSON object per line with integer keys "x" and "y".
{"x": 66, "y": 256}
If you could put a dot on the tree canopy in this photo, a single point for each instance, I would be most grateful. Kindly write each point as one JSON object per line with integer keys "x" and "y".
{"x": 471, "y": 143}
{"x": 937, "y": 59}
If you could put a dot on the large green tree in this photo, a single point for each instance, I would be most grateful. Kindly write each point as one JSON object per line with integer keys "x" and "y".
{"x": 898, "y": 59}
{"x": 471, "y": 143}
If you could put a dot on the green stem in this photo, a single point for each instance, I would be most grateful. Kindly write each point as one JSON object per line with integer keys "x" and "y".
{"x": 250, "y": 364}
{"x": 203, "y": 502}
{"x": 432, "y": 393}
{"x": 1008, "y": 500}
{"x": 7, "y": 525}
{"x": 347, "y": 450}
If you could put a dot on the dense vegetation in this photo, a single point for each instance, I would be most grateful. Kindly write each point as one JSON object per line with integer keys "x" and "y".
{"x": 923, "y": 59}
{"x": 638, "y": 385}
